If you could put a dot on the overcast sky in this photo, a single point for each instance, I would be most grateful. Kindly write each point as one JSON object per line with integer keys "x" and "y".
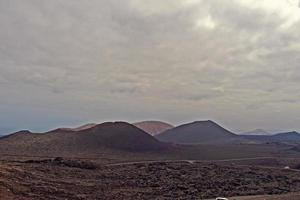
{"x": 68, "y": 62}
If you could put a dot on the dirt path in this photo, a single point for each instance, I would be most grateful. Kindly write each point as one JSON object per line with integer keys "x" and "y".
{"x": 188, "y": 161}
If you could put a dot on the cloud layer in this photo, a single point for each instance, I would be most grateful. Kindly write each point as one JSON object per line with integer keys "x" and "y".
{"x": 64, "y": 62}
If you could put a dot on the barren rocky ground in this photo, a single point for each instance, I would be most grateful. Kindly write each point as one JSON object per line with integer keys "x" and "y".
{"x": 77, "y": 180}
{"x": 291, "y": 196}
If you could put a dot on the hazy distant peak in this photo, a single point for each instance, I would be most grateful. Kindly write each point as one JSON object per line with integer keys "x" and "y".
{"x": 292, "y": 133}
{"x": 83, "y": 127}
{"x": 153, "y": 127}
{"x": 257, "y": 132}
{"x": 80, "y": 128}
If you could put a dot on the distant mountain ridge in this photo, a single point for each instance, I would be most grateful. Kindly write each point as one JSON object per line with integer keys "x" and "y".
{"x": 256, "y": 132}
{"x": 198, "y": 132}
{"x": 110, "y": 135}
{"x": 279, "y": 137}
{"x": 153, "y": 127}
{"x": 123, "y": 136}
{"x": 80, "y": 128}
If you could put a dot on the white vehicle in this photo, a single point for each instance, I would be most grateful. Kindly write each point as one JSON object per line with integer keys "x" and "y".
{"x": 221, "y": 198}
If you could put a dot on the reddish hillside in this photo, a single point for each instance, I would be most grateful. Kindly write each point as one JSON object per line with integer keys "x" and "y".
{"x": 116, "y": 136}
{"x": 84, "y": 127}
{"x": 153, "y": 127}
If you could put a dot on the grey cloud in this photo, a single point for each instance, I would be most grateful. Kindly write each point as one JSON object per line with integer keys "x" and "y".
{"x": 110, "y": 59}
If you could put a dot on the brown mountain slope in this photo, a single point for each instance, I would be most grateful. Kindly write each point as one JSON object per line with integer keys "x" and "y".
{"x": 115, "y": 136}
{"x": 153, "y": 127}
{"x": 84, "y": 127}
{"x": 199, "y": 132}
{"x": 80, "y": 128}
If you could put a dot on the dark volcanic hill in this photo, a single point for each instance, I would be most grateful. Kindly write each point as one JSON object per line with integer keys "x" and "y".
{"x": 289, "y": 137}
{"x": 153, "y": 127}
{"x": 115, "y": 136}
{"x": 199, "y": 132}
{"x": 296, "y": 148}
